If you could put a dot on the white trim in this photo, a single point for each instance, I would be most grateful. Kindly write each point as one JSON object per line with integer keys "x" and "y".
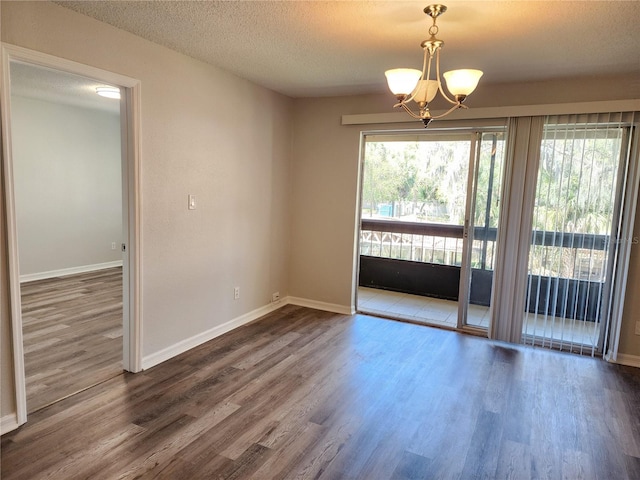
{"x": 132, "y": 225}
{"x": 34, "y": 57}
{"x": 355, "y": 262}
{"x": 9, "y": 423}
{"x": 192, "y": 342}
{"x": 327, "y": 307}
{"x": 30, "y": 277}
{"x": 625, "y": 359}
{"x": 631, "y": 190}
{"x": 132, "y": 316}
{"x": 632, "y": 105}
{"x": 12, "y": 245}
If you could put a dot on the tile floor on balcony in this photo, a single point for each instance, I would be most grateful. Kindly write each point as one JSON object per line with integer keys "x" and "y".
{"x": 560, "y": 333}
{"x": 434, "y": 311}
{"x": 415, "y": 308}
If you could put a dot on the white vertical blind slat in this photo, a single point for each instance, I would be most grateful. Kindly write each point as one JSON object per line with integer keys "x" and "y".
{"x": 580, "y": 156}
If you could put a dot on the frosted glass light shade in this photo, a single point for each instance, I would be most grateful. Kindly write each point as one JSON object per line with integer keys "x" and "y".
{"x": 108, "y": 92}
{"x": 425, "y": 91}
{"x": 402, "y": 81}
{"x": 462, "y": 82}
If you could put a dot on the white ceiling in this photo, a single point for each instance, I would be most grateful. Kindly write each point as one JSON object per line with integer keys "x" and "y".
{"x": 59, "y": 87}
{"x": 319, "y": 48}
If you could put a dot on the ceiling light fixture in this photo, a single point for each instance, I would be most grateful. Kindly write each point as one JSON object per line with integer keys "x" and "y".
{"x": 409, "y": 84}
{"x": 109, "y": 92}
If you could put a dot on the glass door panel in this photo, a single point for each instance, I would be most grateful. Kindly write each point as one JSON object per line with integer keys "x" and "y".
{"x": 483, "y": 228}
{"x": 415, "y": 214}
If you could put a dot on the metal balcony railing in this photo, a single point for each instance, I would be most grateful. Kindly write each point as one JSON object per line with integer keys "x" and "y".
{"x": 442, "y": 244}
{"x": 425, "y": 259}
{"x": 425, "y": 242}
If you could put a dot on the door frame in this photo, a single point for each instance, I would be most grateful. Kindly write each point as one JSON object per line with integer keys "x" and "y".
{"x": 464, "y": 286}
{"x": 130, "y": 141}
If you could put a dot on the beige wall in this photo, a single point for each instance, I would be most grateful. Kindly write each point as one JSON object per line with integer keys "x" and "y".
{"x": 326, "y": 171}
{"x": 204, "y": 132}
{"x": 629, "y": 341}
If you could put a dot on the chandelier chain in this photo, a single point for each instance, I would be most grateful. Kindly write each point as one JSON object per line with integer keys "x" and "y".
{"x": 433, "y": 29}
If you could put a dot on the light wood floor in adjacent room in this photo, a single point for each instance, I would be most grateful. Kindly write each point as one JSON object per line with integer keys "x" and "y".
{"x": 72, "y": 331}
{"x": 313, "y": 395}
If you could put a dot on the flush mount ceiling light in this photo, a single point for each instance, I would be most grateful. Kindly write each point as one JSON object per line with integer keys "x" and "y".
{"x": 109, "y": 92}
{"x": 409, "y": 84}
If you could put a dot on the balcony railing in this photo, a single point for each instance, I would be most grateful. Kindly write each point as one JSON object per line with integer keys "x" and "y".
{"x": 392, "y": 253}
{"x": 442, "y": 244}
{"x": 425, "y": 242}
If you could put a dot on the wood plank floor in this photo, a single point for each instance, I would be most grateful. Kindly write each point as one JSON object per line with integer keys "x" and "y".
{"x": 305, "y": 394}
{"x": 72, "y": 334}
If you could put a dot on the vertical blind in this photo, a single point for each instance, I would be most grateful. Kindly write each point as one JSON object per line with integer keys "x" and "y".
{"x": 576, "y": 218}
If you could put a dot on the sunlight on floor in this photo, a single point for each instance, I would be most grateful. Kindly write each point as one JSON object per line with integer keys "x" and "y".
{"x": 416, "y": 308}
{"x": 435, "y": 311}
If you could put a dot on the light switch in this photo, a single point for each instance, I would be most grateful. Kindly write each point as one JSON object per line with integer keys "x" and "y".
{"x": 192, "y": 202}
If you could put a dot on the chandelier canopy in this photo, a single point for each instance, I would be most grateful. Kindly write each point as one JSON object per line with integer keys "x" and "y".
{"x": 409, "y": 84}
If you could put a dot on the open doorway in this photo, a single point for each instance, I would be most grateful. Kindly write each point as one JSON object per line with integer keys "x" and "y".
{"x": 67, "y": 180}
{"x": 115, "y": 276}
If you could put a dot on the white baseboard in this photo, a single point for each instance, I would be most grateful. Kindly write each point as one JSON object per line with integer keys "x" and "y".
{"x": 8, "y": 423}
{"x": 30, "y": 277}
{"x": 629, "y": 360}
{"x": 189, "y": 343}
{"x": 192, "y": 342}
{"x": 328, "y": 307}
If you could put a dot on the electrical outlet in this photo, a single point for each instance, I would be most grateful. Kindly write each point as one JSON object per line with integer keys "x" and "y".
{"x": 275, "y": 297}
{"x": 638, "y": 327}
{"x": 236, "y": 293}
{"x": 113, "y": 245}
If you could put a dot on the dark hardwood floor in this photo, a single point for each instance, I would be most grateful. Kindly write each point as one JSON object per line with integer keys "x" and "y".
{"x": 72, "y": 334}
{"x": 312, "y": 395}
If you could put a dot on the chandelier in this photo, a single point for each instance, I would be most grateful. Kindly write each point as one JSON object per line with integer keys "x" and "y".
{"x": 409, "y": 84}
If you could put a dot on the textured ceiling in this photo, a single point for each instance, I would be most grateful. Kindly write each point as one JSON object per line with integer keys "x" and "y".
{"x": 314, "y": 48}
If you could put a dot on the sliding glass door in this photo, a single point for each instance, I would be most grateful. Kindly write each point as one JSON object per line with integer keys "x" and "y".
{"x": 430, "y": 204}
{"x": 525, "y": 230}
